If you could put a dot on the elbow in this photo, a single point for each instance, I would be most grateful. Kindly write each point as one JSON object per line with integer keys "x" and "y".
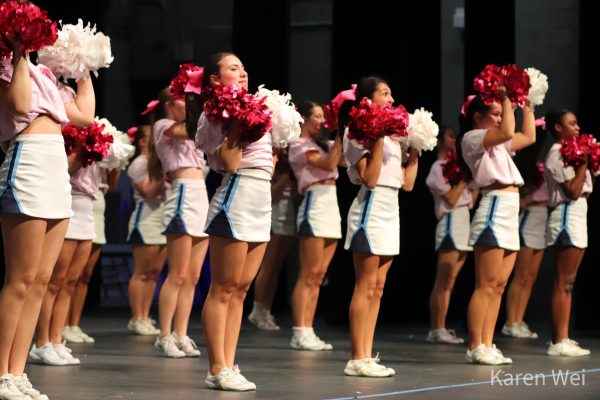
{"x": 408, "y": 186}
{"x": 369, "y": 183}
{"x": 21, "y": 109}
{"x": 82, "y": 122}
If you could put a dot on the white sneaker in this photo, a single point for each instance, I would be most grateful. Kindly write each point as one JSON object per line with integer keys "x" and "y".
{"x": 9, "y": 390}
{"x": 23, "y": 384}
{"x": 444, "y": 335}
{"x": 567, "y": 348}
{"x": 228, "y": 379}
{"x": 308, "y": 342}
{"x": 519, "y": 330}
{"x": 262, "y": 318}
{"x": 482, "y": 355}
{"x": 168, "y": 347}
{"x": 366, "y": 367}
{"x": 187, "y": 345}
{"x": 46, "y": 355}
{"x": 376, "y": 360}
{"x": 526, "y": 331}
{"x": 150, "y": 326}
{"x": 84, "y": 336}
{"x": 70, "y": 336}
{"x": 496, "y": 352}
{"x": 142, "y": 327}
{"x": 65, "y": 353}
{"x": 326, "y": 346}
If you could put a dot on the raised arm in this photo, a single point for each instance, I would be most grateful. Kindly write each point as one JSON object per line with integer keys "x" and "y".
{"x": 410, "y": 170}
{"x": 527, "y": 136}
{"x": 17, "y": 93}
{"x": 81, "y": 111}
{"x": 506, "y": 131}
{"x": 369, "y": 167}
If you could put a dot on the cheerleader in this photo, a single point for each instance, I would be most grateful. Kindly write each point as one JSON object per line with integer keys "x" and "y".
{"x": 145, "y": 224}
{"x": 373, "y": 233}
{"x": 568, "y": 190}
{"x": 488, "y": 139}
{"x": 72, "y": 332}
{"x": 35, "y": 201}
{"x": 452, "y": 204}
{"x": 314, "y": 162}
{"x": 184, "y": 215}
{"x": 69, "y": 266}
{"x": 239, "y": 223}
{"x": 532, "y": 233}
{"x": 283, "y": 234}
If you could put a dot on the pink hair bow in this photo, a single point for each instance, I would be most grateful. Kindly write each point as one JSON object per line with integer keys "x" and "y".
{"x": 150, "y": 107}
{"x": 465, "y": 107}
{"x": 131, "y": 133}
{"x": 341, "y": 97}
{"x": 194, "y": 85}
{"x": 541, "y": 122}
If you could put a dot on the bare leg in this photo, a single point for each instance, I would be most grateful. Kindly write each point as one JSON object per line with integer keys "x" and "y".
{"x": 265, "y": 284}
{"x": 78, "y": 300}
{"x": 317, "y": 279}
{"x": 568, "y": 260}
{"x": 311, "y": 253}
{"x": 449, "y": 264}
{"x": 519, "y": 291}
{"x": 385, "y": 262}
{"x": 148, "y": 262}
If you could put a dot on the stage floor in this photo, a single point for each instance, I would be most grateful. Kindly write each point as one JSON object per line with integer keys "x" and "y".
{"x": 124, "y": 366}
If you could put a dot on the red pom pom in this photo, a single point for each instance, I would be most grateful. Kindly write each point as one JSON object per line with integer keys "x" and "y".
{"x": 224, "y": 103}
{"x": 369, "y": 122}
{"x": 578, "y": 149}
{"x": 513, "y": 78}
{"x": 331, "y": 112}
{"x": 27, "y": 24}
{"x": 178, "y": 84}
{"x": 91, "y": 143}
{"x": 453, "y": 171}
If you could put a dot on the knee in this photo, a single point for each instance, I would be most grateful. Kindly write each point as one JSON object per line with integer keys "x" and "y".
{"x": 447, "y": 284}
{"x": 84, "y": 279}
{"x": 315, "y": 279}
{"x": 241, "y": 290}
{"x": 567, "y": 283}
{"x": 366, "y": 289}
{"x": 22, "y": 287}
{"x": 69, "y": 284}
{"x": 223, "y": 292}
{"x": 176, "y": 279}
{"x": 493, "y": 288}
{"x": 378, "y": 291}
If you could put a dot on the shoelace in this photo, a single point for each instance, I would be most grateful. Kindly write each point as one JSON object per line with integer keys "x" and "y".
{"x": 189, "y": 342}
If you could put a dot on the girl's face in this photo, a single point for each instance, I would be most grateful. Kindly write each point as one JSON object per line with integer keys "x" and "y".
{"x": 231, "y": 71}
{"x": 313, "y": 124}
{"x": 449, "y": 141}
{"x": 177, "y": 110}
{"x": 489, "y": 119}
{"x": 568, "y": 126}
{"x": 383, "y": 95}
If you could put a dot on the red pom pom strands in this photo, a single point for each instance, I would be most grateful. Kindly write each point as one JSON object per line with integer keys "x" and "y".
{"x": 369, "y": 122}
{"x": 227, "y": 102}
{"x": 25, "y": 24}
{"x": 578, "y": 149}
{"x": 514, "y": 79}
{"x": 178, "y": 84}
{"x": 453, "y": 172}
{"x": 91, "y": 143}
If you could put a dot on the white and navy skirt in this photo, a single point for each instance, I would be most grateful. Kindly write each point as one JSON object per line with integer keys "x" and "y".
{"x": 374, "y": 222}
{"x": 532, "y": 227}
{"x": 35, "y": 178}
{"x": 185, "y": 208}
{"x": 81, "y": 224}
{"x": 452, "y": 230}
{"x": 567, "y": 225}
{"x": 99, "y": 206}
{"x": 496, "y": 221}
{"x": 145, "y": 224}
{"x": 283, "y": 216}
{"x": 241, "y": 207}
{"x": 319, "y": 213}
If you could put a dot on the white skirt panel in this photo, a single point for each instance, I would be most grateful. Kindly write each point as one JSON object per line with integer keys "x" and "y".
{"x": 496, "y": 221}
{"x": 374, "y": 222}
{"x": 35, "y": 179}
{"x": 283, "y": 217}
{"x": 81, "y": 224}
{"x": 145, "y": 224}
{"x": 185, "y": 208}
{"x": 241, "y": 207}
{"x": 319, "y": 213}
{"x": 532, "y": 227}
{"x": 567, "y": 225}
{"x": 99, "y": 207}
{"x": 452, "y": 230}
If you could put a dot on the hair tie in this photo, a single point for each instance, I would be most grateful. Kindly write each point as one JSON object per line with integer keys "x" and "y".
{"x": 465, "y": 107}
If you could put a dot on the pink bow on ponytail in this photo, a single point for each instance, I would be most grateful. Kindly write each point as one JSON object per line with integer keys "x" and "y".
{"x": 194, "y": 85}
{"x": 465, "y": 107}
{"x": 150, "y": 107}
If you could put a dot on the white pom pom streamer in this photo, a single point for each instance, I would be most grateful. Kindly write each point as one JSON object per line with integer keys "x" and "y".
{"x": 121, "y": 148}
{"x": 422, "y": 130}
{"x": 539, "y": 87}
{"x": 286, "y": 120}
{"x": 78, "y": 51}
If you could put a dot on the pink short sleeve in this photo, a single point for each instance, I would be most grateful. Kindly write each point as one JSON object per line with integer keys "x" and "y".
{"x": 472, "y": 145}
{"x": 6, "y": 70}
{"x": 138, "y": 170}
{"x": 67, "y": 94}
{"x": 556, "y": 167}
{"x": 353, "y": 152}
{"x": 209, "y": 136}
{"x": 435, "y": 179}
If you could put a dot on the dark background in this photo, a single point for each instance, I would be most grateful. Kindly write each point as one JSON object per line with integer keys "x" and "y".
{"x": 315, "y": 49}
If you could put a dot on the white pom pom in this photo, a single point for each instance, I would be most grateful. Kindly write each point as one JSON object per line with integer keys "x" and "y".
{"x": 286, "y": 120}
{"x": 422, "y": 130}
{"x": 539, "y": 87}
{"x": 78, "y": 51}
{"x": 121, "y": 148}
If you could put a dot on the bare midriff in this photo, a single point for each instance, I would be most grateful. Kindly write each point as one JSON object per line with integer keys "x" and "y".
{"x": 329, "y": 181}
{"x": 186, "y": 173}
{"x": 500, "y": 186}
{"x": 43, "y": 124}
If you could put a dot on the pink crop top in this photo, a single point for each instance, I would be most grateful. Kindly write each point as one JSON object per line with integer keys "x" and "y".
{"x": 556, "y": 173}
{"x": 48, "y": 96}
{"x": 491, "y": 165}
{"x": 86, "y": 181}
{"x": 307, "y": 174}
{"x": 391, "y": 174}
{"x": 210, "y": 137}
{"x": 541, "y": 193}
{"x": 175, "y": 153}
{"x": 138, "y": 172}
{"x": 438, "y": 186}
